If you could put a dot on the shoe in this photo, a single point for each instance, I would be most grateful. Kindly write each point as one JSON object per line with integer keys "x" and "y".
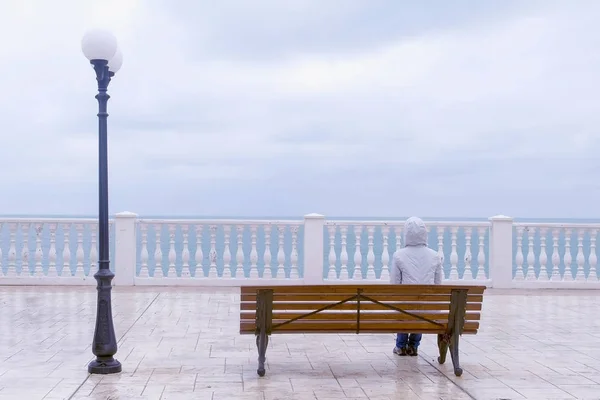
{"x": 401, "y": 351}
{"x": 412, "y": 351}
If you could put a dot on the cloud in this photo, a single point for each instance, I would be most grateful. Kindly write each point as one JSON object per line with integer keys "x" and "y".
{"x": 306, "y": 106}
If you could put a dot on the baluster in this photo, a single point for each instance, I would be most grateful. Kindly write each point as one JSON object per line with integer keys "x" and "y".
{"x": 253, "y": 253}
{"x": 519, "y": 275}
{"x": 332, "y": 274}
{"x": 12, "y": 251}
{"x": 399, "y": 238}
{"x": 25, "y": 250}
{"x": 385, "y": 256}
{"x": 185, "y": 253}
{"x": 280, "y": 253}
{"x": 440, "y": 237}
{"x": 144, "y": 252}
{"x": 370, "y": 254}
{"x": 481, "y": 276}
{"x": 453, "y": 254}
{"x": 66, "y": 269}
{"x": 593, "y": 259}
{"x": 468, "y": 272}
{"x": 52, "y": 252}
{"x": 555, "y": 257}
{"x": 344, "y": 276}
{"x": 227, "y": 252}
{"x": 212, "y": 254}
{"x": 93, "y": 249}
{"x": 172, "y": 256}
{"x": 199, "y": 255}
{"x": 567, "y": 259}
{"x": 158, "y": 271}
{"x": 544, "y": 256}
{"x": 239, "y": 254}
{"x": 294, "y": 256}
{"x": 267, "y": 273}
{"x": 79, "y": 254}
{"x": 37, "y": 268}
{"x": 580, "y": 274}
{"x": 357, "y": 273}
{"x": 531, "y": 256}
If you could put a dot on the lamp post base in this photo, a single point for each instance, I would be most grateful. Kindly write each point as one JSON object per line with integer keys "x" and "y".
{"x": 104, "y": 367}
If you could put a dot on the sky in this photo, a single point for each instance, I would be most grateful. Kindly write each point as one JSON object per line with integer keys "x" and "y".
{"x": 384, "y": 108}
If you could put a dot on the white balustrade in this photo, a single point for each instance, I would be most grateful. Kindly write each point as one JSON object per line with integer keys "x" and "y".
{"x": 249, "y": 252}
{"x": 28, "y": 266}
{"x": 562, "y": 258}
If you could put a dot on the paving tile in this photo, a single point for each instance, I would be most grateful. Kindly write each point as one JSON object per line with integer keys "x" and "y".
{"x": 186, "y": 346}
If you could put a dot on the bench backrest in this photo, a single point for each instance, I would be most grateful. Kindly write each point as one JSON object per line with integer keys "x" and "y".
{"x": 373, "y": 308}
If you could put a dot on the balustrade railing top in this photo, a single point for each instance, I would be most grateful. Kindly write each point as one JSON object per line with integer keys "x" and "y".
{"x": 150, "y": 251}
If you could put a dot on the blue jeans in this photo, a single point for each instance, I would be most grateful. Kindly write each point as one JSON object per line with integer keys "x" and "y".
{"x": 413, "y": 340}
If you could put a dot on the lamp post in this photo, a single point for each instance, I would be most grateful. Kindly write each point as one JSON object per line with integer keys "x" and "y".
{"x": 100, "y": 47}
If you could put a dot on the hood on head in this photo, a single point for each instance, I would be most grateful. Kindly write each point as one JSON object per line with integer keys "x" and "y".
{"x": 415, "y": 232}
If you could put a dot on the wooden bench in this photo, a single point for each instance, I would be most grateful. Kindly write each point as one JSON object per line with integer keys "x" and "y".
{"x": 445, "y": 310}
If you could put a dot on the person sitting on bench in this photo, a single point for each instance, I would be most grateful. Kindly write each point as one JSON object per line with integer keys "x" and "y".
{"x": 414, "y": 264}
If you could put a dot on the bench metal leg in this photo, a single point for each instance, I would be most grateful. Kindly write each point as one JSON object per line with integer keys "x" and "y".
{"x": 264, "y": 319}
{"x": 454, "y": 354}
{"x": 456, "y": 322}
{"x": 443, "y": 346}
{"x": 262, "y": 341}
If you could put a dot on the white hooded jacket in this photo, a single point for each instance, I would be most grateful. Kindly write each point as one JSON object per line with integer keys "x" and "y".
{"x": 416, "y": 263}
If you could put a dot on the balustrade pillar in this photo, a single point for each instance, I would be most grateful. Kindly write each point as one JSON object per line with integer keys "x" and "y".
{"x": 313, "y": 248}
{"x": 501, "y": 251}
{"x": 125, "y": 249}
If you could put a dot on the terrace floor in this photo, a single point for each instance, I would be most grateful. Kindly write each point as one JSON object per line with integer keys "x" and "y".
{"x": 182, "y": 343}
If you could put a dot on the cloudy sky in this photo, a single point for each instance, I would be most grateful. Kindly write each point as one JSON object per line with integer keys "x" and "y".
{"x": 270, "y": 108}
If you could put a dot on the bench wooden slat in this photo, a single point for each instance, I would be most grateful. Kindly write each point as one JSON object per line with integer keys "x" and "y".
{"x": 364, "y": 305}
{"x": 343, "y": 296}
{"x": 383, "y": 326}
{"x": 364, "y": 315}
{"x": 366, "y": 289}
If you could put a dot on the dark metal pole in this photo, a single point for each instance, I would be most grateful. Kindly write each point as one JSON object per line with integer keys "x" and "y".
{"x": 104, "y": 345}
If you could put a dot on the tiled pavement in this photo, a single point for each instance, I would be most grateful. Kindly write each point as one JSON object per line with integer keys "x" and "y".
{"x": 182, "y": 343}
